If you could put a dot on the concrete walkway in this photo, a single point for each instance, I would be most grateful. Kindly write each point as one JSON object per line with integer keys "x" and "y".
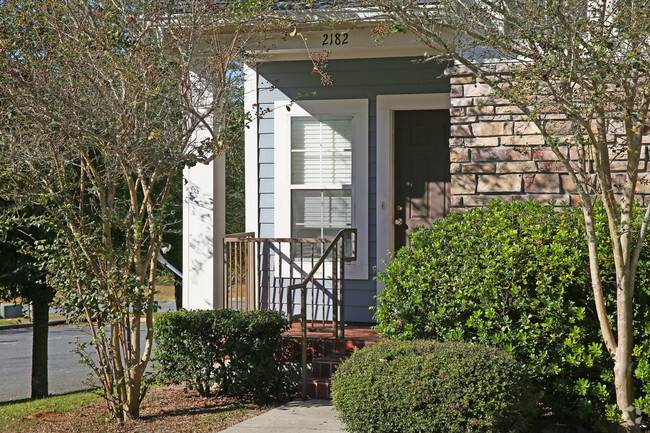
{"x": 297, "y": 416}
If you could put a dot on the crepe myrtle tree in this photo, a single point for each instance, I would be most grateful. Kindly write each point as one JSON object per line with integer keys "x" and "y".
{"x": 101, "y": 104}
{"x": 587, "y": 60}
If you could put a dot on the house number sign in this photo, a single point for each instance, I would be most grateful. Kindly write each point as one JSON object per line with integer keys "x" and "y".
{"x": 335, "y": 39}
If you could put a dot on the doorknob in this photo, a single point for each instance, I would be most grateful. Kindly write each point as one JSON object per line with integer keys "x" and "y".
{"x": 399, "y": 222}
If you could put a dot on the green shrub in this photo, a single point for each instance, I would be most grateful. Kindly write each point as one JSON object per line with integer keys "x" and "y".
{"x": 238, "y": 352}
{"x": 516, "y": 276}
{"x": 426, "y": 386}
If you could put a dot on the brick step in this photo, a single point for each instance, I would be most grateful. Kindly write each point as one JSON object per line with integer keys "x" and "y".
{"x": 322, "y": 368}
{"x": 325, "y": 353}
{"x": 325, "y": 366}
{"x": 324, "y": 347}
{"x": 319, "y": 387}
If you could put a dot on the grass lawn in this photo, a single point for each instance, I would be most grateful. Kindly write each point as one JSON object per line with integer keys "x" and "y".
{"x": 163, "y": 409}
{"x": 165, "y": 293}
{"x": 19, "y": 415}
{"x": 26, "y": 319}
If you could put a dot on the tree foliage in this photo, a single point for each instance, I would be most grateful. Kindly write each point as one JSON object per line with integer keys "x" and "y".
{"x": 101, "y": 105}
{"x": 20, "y": 274}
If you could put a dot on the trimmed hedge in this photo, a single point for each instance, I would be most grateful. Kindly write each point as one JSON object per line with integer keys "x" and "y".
{"x": 516, "y": 276}
{"x": 426, "y": 386}
{"x": 236, "y": 352}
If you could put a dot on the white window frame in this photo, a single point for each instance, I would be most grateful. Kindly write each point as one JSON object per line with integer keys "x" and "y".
{"x": 284, "y": 111}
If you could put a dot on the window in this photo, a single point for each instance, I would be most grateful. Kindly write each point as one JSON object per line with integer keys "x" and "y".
{"x": 321, "y": 172}
{"x": 321, "y": 160}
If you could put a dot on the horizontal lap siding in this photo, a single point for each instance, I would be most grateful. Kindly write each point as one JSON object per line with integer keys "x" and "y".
{"x": 353, "y": 79}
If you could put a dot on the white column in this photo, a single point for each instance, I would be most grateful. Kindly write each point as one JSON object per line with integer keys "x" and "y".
{"x": 204, "y": 226}
{"x": 219, "y": 228}
{"x": 204, "y": 223}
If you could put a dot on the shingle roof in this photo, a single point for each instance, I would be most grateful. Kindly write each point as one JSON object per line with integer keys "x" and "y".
{"x": 288, "y": 4}
{"x": 298, "y": 4}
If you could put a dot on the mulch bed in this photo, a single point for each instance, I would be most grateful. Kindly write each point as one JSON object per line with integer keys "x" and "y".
{"x": 163, "y": 410}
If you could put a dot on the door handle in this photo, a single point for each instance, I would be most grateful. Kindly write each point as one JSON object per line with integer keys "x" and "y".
{"x": 399, "y": 222}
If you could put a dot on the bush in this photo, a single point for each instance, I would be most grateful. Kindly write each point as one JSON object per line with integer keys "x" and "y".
{"x": 516, "y": 276}
{"x": 238, "y": 352}
{"x": 425, "y": 386}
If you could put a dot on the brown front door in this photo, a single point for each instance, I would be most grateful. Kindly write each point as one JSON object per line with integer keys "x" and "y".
{"x": 422, "y": 179}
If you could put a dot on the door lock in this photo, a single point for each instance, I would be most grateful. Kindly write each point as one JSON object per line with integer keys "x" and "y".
{"x": 398, "y": 208}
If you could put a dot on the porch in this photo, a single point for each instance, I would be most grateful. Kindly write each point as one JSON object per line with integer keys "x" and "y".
{"x": 304, "y": 278}
{"x": 282, "y": 273}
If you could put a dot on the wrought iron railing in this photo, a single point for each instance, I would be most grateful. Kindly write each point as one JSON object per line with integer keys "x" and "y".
{"x": 270, "y": 273}
{"x": 337, "y": 251}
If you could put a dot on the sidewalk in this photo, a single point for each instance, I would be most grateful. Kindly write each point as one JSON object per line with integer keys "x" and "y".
{"x": 293, "y": 417}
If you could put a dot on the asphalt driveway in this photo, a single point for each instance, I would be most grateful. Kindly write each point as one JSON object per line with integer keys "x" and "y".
{"x": 66, "y": 374}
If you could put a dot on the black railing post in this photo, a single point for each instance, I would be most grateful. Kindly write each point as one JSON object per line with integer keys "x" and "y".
{"x": 342, "y": 291}
{"x": 335, "y": 292}
{"x": 303, "y": 308}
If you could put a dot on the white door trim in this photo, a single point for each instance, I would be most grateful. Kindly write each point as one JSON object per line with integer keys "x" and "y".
{"x": 386, "y": 107}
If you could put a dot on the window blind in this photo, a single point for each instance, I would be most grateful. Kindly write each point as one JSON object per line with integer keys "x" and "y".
{"x": 321, "y": 150}
{"x": 321, "y": 159}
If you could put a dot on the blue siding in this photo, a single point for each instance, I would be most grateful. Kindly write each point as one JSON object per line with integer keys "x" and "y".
{"x": 265, "y": 141}
{"x": 266, "y": 156}
{"x": 266, "y": 201}
{"x": 353, "y": 79}
{"x": 266, "y": 216}
{"x": 265, "y": 126}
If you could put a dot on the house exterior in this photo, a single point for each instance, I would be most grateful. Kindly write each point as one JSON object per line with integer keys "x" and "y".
{"x": 394, "y": 143}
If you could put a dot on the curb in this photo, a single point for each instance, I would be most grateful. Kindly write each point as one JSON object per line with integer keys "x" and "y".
{"x": 30, "y": 325}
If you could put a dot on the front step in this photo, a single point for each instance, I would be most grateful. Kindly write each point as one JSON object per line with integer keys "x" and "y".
{"x": 325, "y": 366}
{"x": 325, "y": 353}
{"x": 319, "y": 387}
{"x": 319, "y": 346}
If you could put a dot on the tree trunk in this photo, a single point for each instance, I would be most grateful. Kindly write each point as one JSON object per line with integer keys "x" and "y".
{"x": 39, "y": 349}
{"x": 134, "y": 400}
{"x": 623, "y": 367}
{"x": 178, "y": 291}
{"x": 624, "y": 384}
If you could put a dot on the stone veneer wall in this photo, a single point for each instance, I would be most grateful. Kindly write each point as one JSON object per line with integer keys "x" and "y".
{"x": 496, "y": 152}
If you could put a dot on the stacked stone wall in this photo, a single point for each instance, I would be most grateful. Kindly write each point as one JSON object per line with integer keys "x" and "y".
{"x": 496, "y": 153}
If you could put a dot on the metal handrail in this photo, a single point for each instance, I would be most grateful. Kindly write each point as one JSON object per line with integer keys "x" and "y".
{"x": 239, "y": 236}
{"x": 242, "y": 260}
{"x": 234, "y": 236}
{"x": 333, "y": 246}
